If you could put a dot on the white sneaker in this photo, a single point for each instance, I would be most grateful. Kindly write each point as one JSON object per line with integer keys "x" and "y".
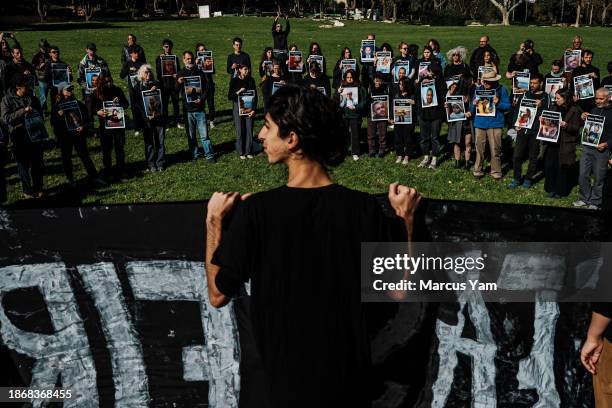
{"x": 180, "y": 126}
{"x": 424, "y": 162}
{"x": 355, "y": 157}
{"x": 212, "y": 124}
{"x": 242, "y": 157}
{"x": 592, "y": 207}
{"x": 433, "y": 163}
{"x": 579, "y": 204}
{"x": 249, "y": 156}
{"x": 406, "y": 160}
{"x": 137, "y": 133}
{"x": 398, "y": 160}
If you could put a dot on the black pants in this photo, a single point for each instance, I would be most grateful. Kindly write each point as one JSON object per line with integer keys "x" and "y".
{"x": 167, "y": 95}
{"x": 210, "y": 100}
{"x": 526, "y": 144}
{"x": 90, "y": 105}
{"x": 110, "y": 138}
{"x": 3, "y": 159}
{"x": 155, "y": 148}
{"x": 430, "y": 136}
{"x": 29, "y": 159}
{"x": 404, "y": 140}
{"x": 555, "y": 174}
{"x": 354, "y": 127}
{"x": 79, "y": 143}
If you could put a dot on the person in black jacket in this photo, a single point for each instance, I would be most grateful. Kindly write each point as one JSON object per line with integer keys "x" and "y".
{"x": 244, "y": 123}
{"x": 377, "y": 127}
{"x": 129, "y": 72}
{"x": 477, "y": 54}
{"x": 18, "y": 105}
{"x": 337, "y": 73}
{"x": 279, "y": 35}
{"x": 18, "y": 67}
{"x": 268, "y": 83}
{"x": 194, "y": 101}
{"x": 431, "y": 115}
{"x": 54, "y": 53}
{"x": 237, "y": 58}
{"x": 125, "y": 54}
{"x": 168, "y": 87}
{"x": 154, "y": 131}
{"x": 91, "y": 60}
{"x": 316, "y": 79}
{"x": 586, "y": 68}
{"x": 210, "y": 95}
{"x": 404, "y": 133}
{"x": 107, "y": 91}
{"x": 71, "y": 130}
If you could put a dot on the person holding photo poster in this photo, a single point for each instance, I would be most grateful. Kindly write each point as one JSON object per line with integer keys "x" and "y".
{"x": 315, "y": 50}
{"x": 167, "y": 67}
{"x": 210, "y": 81}
{"x": 56, "y": 71}
{"x": 71, "y": 129}
{"x": 316, "y": 79}
{"x": 488, "y": 128}
{"x": 583, "y": 89}
{"x": 378, "y": 102}
{"x": 560, "y": 156}
{"x": 194, "y": 88}
{"x": 131, "y": 43}
{"x": 280, "y": 35}
{"x": 95, "y": 64}
{"x": 16, "y": 107}
{"x": 244, "y": 123}
{"x": 595, "y": 151}
{"x": 404, "y": 100}
{"x": 556, "y": 78}
{"x": 344, "y": 63}
{"x": 351, "y": 97}
{"x": 431, "y": 93}
{"x": 459, "y": 125}
{"x": 406, "y": 61}
{"x": 111, "y": 137}
{"x": 129, "y": 73}
{"x": 368, "y": 68}
{"x": 149, "y": 111}
{"x": 267, "y": 86}
{"x": 265, "y": 64}
{"x": 527, "y": 126}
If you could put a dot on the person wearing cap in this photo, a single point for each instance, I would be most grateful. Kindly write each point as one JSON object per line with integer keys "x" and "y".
{"x": 17, "y": 105}
{"x": 489, "y": 128}
{"x": 431, "y": 117}
{"x": 73, "y": 136}
{"x": 39, "y": 61}
{"x": 244, "y": 123}
{"x": 168, "y": 86}
{"x": 90, "y": 61}
{"x": 125, "y": 53}
{"x": 129, "y": 72}
{"x": 54, "y": 53}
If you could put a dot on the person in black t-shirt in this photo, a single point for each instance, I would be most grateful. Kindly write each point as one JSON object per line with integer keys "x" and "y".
{"x": 299, "y": 245}
{"x": 279, "y": 35}
{"x": 237, "y": 58}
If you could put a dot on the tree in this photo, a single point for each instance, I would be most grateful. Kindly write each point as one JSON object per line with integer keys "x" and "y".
{"x": 505, "y": 7}
{"x": 579, "y": 5}
{"x": 604, "y": 12}
{"x": 41, "y": 8}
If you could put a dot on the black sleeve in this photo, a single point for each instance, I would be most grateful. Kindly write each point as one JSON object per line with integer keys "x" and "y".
{"x": 235, "y": 255}
{"x": 287, "y": 27}
{"x": 158, "y": 69}
{"x": 604, "y": 309}
{"x": 124, "y": 71}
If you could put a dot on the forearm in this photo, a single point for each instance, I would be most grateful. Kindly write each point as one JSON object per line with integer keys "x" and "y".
{"x": 213, "y": 238}
{"x": 599, "y": 324}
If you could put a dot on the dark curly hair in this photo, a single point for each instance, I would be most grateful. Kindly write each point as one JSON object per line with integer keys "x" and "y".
{"x": 315, "y": 118}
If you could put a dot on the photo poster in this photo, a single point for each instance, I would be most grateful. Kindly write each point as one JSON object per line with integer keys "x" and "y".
{"x": 347, "y": 64}
{"x": 402, "y": 67}
{"x": 133, "y": 78}
{"x": 553, "y": 85}
{"x": 550, "y": 125}
{"x": 152, "y": 102}
{"x": 296, "y": 64}
{"x": 609, "y": 88}
{"x": 168, "y": 63}
{"x": 429, "y": 98}
{"x": 59, "y": 73}
{"x": 423, "y": 70}
{"x": 91, "y": 79}
{"x": 483, "y": 69}
{"x": 35, "y": 127}
{"x": 592, "y": 130}
{"x": 276, "y": 86}
{"x": 402, "y": 112}
{"x": 322, "y": 90}
{"x": 483, "y": 100}
{"x": 246, "y": 102}
{"x": 571, "y": 60}
{"x": 72, "y": 115}
{"x": 193, "y": 88}
{"x": 526, "y": 114}
{"x": 207, "y": 62}
{"x": 279, "y": 55}
{"x": 114, "y": 115}
{"x": 383, "y": 62}
{"x": 318, "y": 59}
{"x": 583, "y": 87}
{"x": 520, "y": 82}
{"x": 349, "y": 97}
{"x": 267, "y": 67}
{"x": 455, "y": 108}
{"x": 368, "y": 48}
{"x": 379, "y": 108}
{"x": 452, "y": 80}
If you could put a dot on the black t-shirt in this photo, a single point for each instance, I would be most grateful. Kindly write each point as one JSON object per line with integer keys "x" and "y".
{"x": 300, "y": 248}
{"x": 605, "y": 309}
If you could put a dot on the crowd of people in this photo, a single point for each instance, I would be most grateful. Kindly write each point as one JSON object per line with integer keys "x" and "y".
{"x": 548, "y": 113}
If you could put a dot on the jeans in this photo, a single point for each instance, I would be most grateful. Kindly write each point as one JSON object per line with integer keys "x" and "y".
{"x": 43, "y": 88}
{"x": 430, "y": 136}
{"x": 244, "y": 132}
{"x": 354, "y": 126}
{"x": 79, "y": 142}
{"x": 196, "y": 121}
{"x": 525, "y": 143}
{"x": 493, "y": 136}
{"x": 110, "y": 138}
{"x": 592, "y": 163}
{"x": 155, "y": 148}
{"x": 29, "y": 158}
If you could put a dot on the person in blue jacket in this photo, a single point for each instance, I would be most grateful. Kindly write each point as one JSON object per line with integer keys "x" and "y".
{"x": 489, "y": 127}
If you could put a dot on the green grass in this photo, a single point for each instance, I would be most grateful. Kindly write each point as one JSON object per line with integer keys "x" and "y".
{"x": 185, "y": 180}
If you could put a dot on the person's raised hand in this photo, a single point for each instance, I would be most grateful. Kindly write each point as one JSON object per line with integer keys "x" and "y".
{"x": 404, "y": 200}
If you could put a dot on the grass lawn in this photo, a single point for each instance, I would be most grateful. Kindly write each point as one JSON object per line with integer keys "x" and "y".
{"x": 186, "y": 180}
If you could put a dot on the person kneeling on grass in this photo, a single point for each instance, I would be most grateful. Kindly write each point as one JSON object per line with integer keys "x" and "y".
{"x": 313, "y": 229}
{"x": 71, "y": 130}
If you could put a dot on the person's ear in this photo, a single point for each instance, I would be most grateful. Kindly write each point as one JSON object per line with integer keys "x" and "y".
{"x": 292, "y": 141}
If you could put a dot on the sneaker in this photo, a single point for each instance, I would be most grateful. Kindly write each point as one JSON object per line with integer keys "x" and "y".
{"x": 180, "y": 126}
{"x": 579, "y": 204}
{"x": 249, "y": 156}
{"x": 212, "y": 124}
{"x": 398, "y": 160}
{"x": 527, "y": 184}
{"x": 592, "y": 207}
{"x": 424, "y": 162}
{"x": 514, "y": 184}
{"x": 355, "y": 157}
{"x": 137, "y": 133}
{"x": 242, "y": 157}
{"x": 406, "y": 160}
{"x": 434, "y": 163}
{"x": 550, "y": 194}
